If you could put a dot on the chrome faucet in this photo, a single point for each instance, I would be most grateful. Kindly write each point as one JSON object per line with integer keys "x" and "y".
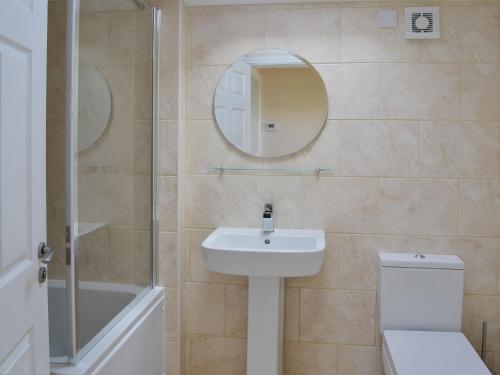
{"x": 267, "y": 218}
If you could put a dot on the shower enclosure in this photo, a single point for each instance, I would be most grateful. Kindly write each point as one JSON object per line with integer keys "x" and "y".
{"x": 102, "y": 92}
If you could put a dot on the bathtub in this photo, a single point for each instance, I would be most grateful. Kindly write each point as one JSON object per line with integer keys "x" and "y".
{"x": 131, "y": 343}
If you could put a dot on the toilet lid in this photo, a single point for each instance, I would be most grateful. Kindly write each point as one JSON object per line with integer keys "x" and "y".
{"x": 432, "y": 353}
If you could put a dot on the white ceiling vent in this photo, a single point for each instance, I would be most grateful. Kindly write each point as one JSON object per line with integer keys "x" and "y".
{"x": 422, "y": 23}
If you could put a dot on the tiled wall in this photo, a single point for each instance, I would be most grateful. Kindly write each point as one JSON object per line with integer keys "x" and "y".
{"x": 413, "y": 142}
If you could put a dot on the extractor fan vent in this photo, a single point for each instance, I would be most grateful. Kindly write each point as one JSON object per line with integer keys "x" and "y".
{"x": 422, "y": 23}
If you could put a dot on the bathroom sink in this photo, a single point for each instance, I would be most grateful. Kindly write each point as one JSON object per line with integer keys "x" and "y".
{"x": 252, "y": 252}
{"x": 266, "y": 258}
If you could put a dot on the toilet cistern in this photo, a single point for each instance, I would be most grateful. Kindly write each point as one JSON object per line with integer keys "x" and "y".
{"x": 267, "y": 218}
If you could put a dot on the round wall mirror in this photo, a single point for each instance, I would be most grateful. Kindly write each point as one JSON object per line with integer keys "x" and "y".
{"x": 270, "y": 103}
{"x": 94, "y": 105}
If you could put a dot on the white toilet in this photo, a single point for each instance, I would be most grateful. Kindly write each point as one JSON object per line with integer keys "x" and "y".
{"x": 420, "y": 304}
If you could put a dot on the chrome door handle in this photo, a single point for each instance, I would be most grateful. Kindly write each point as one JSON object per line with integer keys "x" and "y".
{"x": 45, "y": 253}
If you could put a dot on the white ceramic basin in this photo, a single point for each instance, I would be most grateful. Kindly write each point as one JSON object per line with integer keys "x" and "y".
{"x": 251, "y": 252}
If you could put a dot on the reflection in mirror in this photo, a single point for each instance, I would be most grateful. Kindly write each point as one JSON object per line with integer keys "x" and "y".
{"x": 270, "y": 103}
{"x": 94, "y": 105}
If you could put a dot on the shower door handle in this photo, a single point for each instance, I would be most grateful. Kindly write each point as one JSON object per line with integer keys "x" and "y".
{"x": 45, "y": 253}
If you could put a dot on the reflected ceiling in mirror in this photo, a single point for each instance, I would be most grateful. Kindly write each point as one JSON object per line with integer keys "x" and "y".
{"x": 270, "y": 103}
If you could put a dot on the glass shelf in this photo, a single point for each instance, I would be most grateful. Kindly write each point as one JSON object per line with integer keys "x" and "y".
{"x": 223, "y": 169}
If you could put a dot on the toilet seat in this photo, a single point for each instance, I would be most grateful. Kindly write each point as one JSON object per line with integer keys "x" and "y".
{"x": 430, "y": 353}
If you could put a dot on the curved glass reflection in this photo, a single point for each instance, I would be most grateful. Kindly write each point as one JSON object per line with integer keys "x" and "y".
{"x": 270, "y": 103}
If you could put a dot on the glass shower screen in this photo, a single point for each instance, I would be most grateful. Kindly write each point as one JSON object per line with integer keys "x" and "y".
{"x": 108, "y": 174}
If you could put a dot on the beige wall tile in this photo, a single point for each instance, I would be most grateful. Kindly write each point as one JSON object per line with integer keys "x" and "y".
{"x": 93, "y": 256}
{"x": 141, "y": 258}
{"x": 414, "y": 206}
{"x": 346, "y": 103}
{"x": 378, "y": 148}
{"x": 120, "y": 267}
{"x": 207, "y": 148}
{"x": 168, "y": 203}
{"x": 143, "y": 37}
{"x": 478, "y": 309}
{"x": 460, "y": 149}
{"x": 205, "y": 201}
{"x": 56, "y": 200}
{"x": 336, "y": 316}
{"x": 141, "y": 205}
{"x": 119, "y": 189}
{"x": 468, "y": 33}
{"x": 246, "y": 196}
{"x": 121, "y": 35}
{"x": 419, "y": 91}
{"x": 236, "y": 310}
{"x": 324, "y": 152}
{"x": 205, "y": 308}
{"x": 143, "y": 90}
{"x": 359, "y": 360}
{"x": 142, "y": 146}
{"x": 169, "y": 94}
{"x": 92, "y": 203}
{"x": 120, "y": 148}
{"x": 222, "y": 37}
{"x": 292, "y": 311}
{"x": 480, "y": 91}
{"x": 217, "y": 355}
{"x": 171, "y": 314}
{"x": 480, "y": 208}
{"x": 363, "y": 40}
{"x": 340, "y": 204}
{"x": 94, "y": 38}
{"x": 309, "y": 358}
{"x": 168, "y": 148}
{"x": 167, "y": 258}
{"x": 312, "y": 33}
{"x": 170, "y": 48}
{"x": 357, "y": 261}
{"x": 201, "y": 82}
{"x": 56, "y": 35}
{"x": 105, "y": 6}
{"x": 55, "y": 94}
{"x": 479, "y": 256}
{"x": 172, "y": 358}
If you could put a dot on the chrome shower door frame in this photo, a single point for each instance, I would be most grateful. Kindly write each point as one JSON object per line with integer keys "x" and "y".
{"x": 71, "y": 167}
{"x": 71, "y": 175}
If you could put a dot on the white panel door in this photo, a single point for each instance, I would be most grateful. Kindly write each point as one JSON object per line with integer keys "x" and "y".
{"x": 233, "y": 105}
{"x": 24, "y": 344}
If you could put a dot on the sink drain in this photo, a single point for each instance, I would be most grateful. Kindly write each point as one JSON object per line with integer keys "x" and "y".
{"x": 267, "y": 241}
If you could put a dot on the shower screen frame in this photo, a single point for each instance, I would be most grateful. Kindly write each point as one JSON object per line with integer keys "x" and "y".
{"x": 71, "y": 169}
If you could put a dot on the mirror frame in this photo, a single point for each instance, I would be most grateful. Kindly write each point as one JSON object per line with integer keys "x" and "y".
{"x": 313, "y": 139}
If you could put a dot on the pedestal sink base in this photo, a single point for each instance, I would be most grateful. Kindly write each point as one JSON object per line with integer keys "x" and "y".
{"x": 265, "y": 325}
{"x": 266, "y": 258}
